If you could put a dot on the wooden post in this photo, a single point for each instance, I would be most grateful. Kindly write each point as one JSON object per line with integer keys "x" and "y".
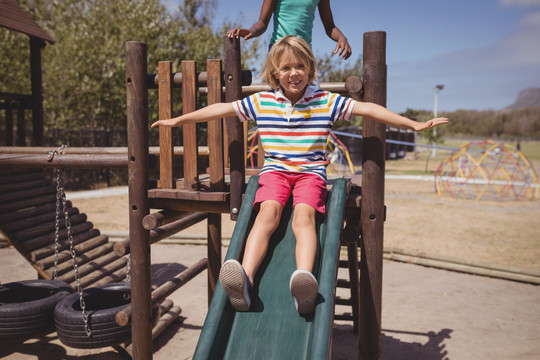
{"x": 166, "y": 146}
{"x": 217, "y": 175}
{"x": 37, "y": 90}
{"x": 233, "y": 91}
{"x": 372, "y": 215}
{"x": 138, "y": 166}
{"x": 189, "y": 104}
{"x": 9, "y": 125}
{"x": 21, "y": 126}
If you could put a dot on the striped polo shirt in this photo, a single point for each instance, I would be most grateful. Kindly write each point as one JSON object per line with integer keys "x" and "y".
{"x": 294, "y": 137}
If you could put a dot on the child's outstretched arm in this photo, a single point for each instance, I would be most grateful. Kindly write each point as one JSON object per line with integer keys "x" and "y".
{"x": 385, "y": 116}
{"x": 259, "y": 27}
{"x": 211, "y": 112}
{"x": 343, "y": 49}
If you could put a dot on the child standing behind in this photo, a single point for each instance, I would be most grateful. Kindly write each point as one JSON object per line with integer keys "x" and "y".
{"x": 295, "y": 17}
{"x": 294, "y": 121}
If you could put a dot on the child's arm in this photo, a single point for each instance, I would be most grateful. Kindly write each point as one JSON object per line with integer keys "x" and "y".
{"x": 385, "y": 116}
{"x": 260, "y": 26}
{"x": 211, "y": 112}
{"x": 342, "y": 46}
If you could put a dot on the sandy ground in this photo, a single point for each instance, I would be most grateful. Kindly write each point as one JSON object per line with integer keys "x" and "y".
{"x": 427, "y": 313}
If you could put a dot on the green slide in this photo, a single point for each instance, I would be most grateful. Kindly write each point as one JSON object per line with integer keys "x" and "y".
{"x": 273, "y": 329}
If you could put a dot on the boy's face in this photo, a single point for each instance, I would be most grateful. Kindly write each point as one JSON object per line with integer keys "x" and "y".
{"x": 292, "y": 76}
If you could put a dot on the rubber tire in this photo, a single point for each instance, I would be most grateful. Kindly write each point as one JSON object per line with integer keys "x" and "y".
{"x": 102, "y": 305}
{"x": 27, "y": 307}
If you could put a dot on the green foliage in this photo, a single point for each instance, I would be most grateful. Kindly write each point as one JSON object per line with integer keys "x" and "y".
{"x": 84, "y": 72}
{"x": 433, "y": 135}
{"x": 521, "y": 123}
{"x": 334, "y": 69}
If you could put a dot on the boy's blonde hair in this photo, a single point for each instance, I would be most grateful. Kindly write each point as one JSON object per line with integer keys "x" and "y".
{"x": 299, "y": 47}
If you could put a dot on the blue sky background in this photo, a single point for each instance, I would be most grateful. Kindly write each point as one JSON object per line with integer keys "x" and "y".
{"x": 483, "y": 51}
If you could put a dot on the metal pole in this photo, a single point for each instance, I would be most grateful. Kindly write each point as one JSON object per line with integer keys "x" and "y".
{"x": 372, "y": 202}
{"x": 437, "y": 89}
{"x": 138, "y": 166}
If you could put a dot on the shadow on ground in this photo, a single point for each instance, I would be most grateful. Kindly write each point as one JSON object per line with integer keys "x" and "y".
{"x": 393, "y": 348}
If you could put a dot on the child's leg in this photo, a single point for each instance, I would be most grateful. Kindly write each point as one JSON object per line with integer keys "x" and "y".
{"x": 265, "y": 224}
{"x": 308, "y": 193}
{"x": 303, "y": 284}
{"x": 303, "y": 226}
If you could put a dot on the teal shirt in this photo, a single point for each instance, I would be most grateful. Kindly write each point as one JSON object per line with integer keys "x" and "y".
{"x": 294, "y": 17}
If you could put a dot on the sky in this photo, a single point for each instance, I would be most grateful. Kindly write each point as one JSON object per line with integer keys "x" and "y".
{"x": 484, "y": 52}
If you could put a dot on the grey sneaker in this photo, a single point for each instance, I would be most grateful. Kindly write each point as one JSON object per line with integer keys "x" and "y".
{"x": 236, "y": 284}
{"x": 304, "y": 289}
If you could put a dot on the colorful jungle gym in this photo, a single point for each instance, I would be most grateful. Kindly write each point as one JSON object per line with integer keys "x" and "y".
{"x": 487, "y": 170}
{"x": 204, "y": 193}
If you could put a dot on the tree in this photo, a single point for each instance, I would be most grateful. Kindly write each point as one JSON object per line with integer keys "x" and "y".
{"x": 334, "y": 69}
{"x": 84, "y": 72}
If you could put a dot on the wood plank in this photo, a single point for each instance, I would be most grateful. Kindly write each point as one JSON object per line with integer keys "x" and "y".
{"x": 215, "y": 128}
{"x": 80, "y": 248}
{"x": 165, "y": 133}
{"x": 48, "y": 238}
{"x": 189, "y": 104}
{"x": 28, "y": 193}
{"x": 190, "y": 205}
{"x": 46, "y": 228}
{"x": 86, "y": 262}
{"x": 179, "y": 194}
{"x": 27, "y": 203}
{"x": 41, "y": 220}
{"x": 64, "y": 244}
{"x": 20, "y": 185}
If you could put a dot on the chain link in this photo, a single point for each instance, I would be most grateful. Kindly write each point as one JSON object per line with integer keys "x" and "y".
{"x": 62, "y": 202}
{"x": 128, "y": 271}
{"x": 57, "y": 221}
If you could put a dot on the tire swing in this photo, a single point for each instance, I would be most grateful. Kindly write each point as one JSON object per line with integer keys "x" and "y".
{"x": 27, "y": 307}
{"x": 86, "y": 319}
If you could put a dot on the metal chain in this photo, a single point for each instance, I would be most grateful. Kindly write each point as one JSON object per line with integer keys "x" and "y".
{"x": 61, "y": 201}
{"x": 57, "y": 223}
{"x": 60, "y": 150}
{"x": 128, "y": 271}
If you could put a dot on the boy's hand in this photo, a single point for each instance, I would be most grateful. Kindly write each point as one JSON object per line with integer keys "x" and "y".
{"x": 168, "y": 122}
{"x": 431, "y": 123}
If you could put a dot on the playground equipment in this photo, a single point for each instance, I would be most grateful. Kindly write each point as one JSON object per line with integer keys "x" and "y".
{"x": 197, "y": 196}
{"x": 487, "y": 170}
{"x": 260, "y": 333}
{"x": 16, "y": 19}
{"x": 216, "y": 196}
{"x": 339, "y": 157}
{"x": 27, "y": 220}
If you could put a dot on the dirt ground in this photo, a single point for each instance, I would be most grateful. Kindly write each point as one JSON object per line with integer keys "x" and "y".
{"x": 427, "y": 313}
{"x": 418, "y": 220}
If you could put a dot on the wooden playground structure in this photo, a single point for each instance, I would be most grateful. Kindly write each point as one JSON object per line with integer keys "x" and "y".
{"x": 181, "y": 201}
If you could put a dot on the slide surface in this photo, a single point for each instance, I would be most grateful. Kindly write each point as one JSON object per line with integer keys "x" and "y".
{"x": 273, "y": 329}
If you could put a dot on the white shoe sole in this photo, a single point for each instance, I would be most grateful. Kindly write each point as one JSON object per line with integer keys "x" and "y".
{"x": 304, "y": 289}
{"x": 234, "y": 282}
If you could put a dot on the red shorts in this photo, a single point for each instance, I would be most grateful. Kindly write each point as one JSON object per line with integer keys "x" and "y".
{"x": 306, "y": 189}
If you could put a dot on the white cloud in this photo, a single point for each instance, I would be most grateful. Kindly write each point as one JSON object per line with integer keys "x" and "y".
{"x": 478, "y": 78}
{"x": 532, "y": 19}
{"x": 520, "y": 3}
